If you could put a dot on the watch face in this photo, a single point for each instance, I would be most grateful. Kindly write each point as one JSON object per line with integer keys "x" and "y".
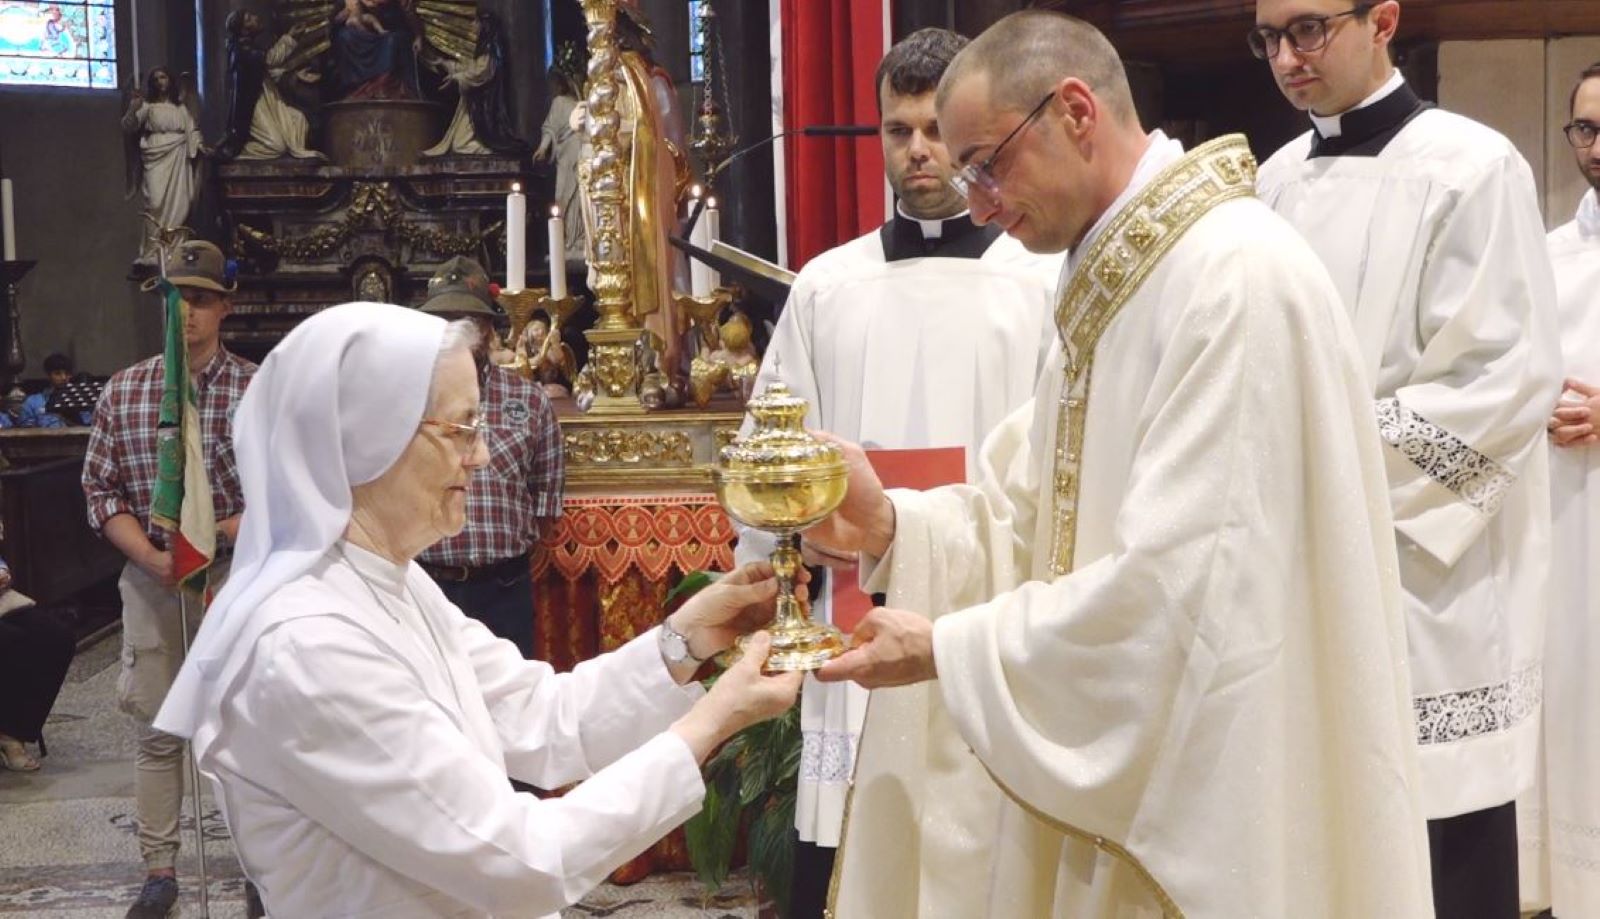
{"x": 674, "y": 647}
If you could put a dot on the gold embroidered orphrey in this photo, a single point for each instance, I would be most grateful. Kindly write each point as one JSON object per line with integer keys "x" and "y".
{"x": 1108, "y": 277}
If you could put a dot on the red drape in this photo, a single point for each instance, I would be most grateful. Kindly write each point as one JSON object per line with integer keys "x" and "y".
{"x": 834, "y": 186}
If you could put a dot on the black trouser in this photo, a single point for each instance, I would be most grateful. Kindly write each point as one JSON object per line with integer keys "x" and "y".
{"x": 36, "y": 649}
{"x": 503, "y": 602}
{"x": 1474, "y": 860}
{"x": 813, "y": 870}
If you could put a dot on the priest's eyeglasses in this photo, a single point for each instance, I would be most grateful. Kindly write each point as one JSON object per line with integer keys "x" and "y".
{"x": 980, "y": 176}
{"x": 466, "y": 436}
{"x": 1305, "y": 35}
{"x": 1581, "y": 134}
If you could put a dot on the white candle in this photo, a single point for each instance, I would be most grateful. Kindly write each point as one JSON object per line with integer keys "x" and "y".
{"x": 689, "y": 205}
{"x": 699, "y": 272}
{"x": 8, "y": 219}
{"x": 558, "y": 255}
{"x": 516, "y": 238}
{"x": 713, "y": 221}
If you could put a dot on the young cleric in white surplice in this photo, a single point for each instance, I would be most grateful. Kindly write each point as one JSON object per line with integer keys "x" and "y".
{"x": 926, "y": 332}
{"x": 1171, "y": 624}
{"x": 357, "y": 728}
{"x": 1429, "y": 226}
{"x": 1559, "y": 821}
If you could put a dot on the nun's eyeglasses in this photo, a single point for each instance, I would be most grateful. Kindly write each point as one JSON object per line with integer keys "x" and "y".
{"x": 467, "y": 435}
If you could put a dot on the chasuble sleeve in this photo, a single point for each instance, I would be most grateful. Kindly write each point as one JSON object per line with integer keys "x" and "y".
{"x": 1461, "y": 430}
{"x": 344, "y": 733}
{"x": 558, "y": 728}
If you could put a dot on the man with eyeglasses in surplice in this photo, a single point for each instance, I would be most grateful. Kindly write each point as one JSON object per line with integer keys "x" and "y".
{"x": 1559, "y": 821}
{"x": 1429, "y": 225}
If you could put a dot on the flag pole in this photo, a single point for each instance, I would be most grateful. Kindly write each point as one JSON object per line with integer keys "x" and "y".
{"x": 164, "y": 240}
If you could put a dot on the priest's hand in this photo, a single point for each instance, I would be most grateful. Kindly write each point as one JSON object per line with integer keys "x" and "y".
{"x": 1572, "y": 424}
{"x": 742, "y": 696}
{"x": 891, "y": 647}
{"x": 738, "y": 603}
{"x": 864, "y": 521}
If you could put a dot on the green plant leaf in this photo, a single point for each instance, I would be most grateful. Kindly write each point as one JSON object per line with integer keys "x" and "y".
{"x": 711, "y": 835}
{"x": 772, "y": 838}
{"x": 691, "y": 584}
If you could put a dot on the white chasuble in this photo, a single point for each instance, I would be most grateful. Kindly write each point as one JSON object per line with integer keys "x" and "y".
{"x": 1171, "y": 622}
{"x": 1559, "y": 821}
{"x": 1435, "y": 243}
{"x": 919, "y": 334}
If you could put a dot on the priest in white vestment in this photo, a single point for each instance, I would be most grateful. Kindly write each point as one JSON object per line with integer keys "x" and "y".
{"x": 1429, "y": 225}
{"x": 1171, "y": 622}
{"x": 926, "y": 332}
{"x": 359, "y": 730}
{"x": 1559, "y": 820}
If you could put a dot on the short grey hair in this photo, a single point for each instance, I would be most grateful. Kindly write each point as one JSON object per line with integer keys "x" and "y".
{"x": 1026, "y": 54}
{"x": 460, "y": 336}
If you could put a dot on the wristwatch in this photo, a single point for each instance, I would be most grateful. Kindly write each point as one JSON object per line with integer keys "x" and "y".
{"x": 674, "y": 645}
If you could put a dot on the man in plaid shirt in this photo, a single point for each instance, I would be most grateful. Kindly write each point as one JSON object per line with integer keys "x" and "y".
{"x": 484, "y": 569}
{"x": 119, "y": 475}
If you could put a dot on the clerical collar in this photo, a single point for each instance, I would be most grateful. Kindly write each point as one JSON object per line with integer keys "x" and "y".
{"x": 953, "y": 237}
{"x": 1589, "y": 215}
{"x": 1366, "y": 129}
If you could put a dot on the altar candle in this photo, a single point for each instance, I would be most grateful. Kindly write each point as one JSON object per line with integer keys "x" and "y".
{"x": 516, "y": 238}
{"x": 8, "y": 220}
{"x": 713, "y": 221}
{"x": 699, "y": 272}
{"x": 558, "y": 257}
{"x": 689, "y": 205}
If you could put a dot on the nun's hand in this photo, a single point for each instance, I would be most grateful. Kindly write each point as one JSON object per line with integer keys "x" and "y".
{"x": 742, "y": 696}
{"x": 738, "y": 603}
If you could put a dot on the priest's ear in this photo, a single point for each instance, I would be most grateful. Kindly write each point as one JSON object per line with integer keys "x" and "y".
{"x": 1077, "y": 108}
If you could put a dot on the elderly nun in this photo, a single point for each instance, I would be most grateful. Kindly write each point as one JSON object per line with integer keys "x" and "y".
{"x": 359, "y": 729}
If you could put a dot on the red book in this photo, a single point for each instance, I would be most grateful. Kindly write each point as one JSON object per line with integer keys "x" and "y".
{"x": 919, "y": 469}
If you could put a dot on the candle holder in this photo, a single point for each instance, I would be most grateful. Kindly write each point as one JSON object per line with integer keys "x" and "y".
{"x": 703, "y": 313}
{"x": 780, "y": 479}
{"x": 13, "y": 273}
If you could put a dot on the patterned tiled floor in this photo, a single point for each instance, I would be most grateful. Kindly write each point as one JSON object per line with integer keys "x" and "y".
{"x": 66, "y": 833}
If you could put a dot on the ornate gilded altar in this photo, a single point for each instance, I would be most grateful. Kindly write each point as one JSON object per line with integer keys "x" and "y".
{"x": 311, "y": 235}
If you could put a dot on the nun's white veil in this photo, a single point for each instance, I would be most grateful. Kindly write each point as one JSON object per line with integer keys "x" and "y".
{"x": 333, "y": 406}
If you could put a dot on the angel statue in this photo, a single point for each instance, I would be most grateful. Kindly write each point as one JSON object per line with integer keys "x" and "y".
{"x": 549, "y": 360}
{"x": 262, "y": 124}
{"x": 482, "y": 123}
{"x": 163, "y": 151}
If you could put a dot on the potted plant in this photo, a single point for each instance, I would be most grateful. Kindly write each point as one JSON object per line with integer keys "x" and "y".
{"x": 751, "y": 784}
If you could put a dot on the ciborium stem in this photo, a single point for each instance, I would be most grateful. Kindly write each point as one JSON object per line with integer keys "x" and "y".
{"x": 786, "y": 565}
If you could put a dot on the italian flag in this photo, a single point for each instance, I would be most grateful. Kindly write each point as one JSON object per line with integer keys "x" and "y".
{"x": 181, "y": 504}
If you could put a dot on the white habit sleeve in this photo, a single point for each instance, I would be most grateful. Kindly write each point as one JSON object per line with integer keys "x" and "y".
{"x": 368, "y": 754}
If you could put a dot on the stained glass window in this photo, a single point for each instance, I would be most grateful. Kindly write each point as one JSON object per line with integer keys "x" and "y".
{"x": 697, "y": 44}
{"x": 59, "y": 44}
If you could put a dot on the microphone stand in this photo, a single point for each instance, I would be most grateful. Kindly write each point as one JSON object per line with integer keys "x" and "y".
{"x": 816, "y": 130}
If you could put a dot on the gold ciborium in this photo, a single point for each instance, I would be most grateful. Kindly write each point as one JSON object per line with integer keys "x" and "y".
{"x": 780, "y": 480}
